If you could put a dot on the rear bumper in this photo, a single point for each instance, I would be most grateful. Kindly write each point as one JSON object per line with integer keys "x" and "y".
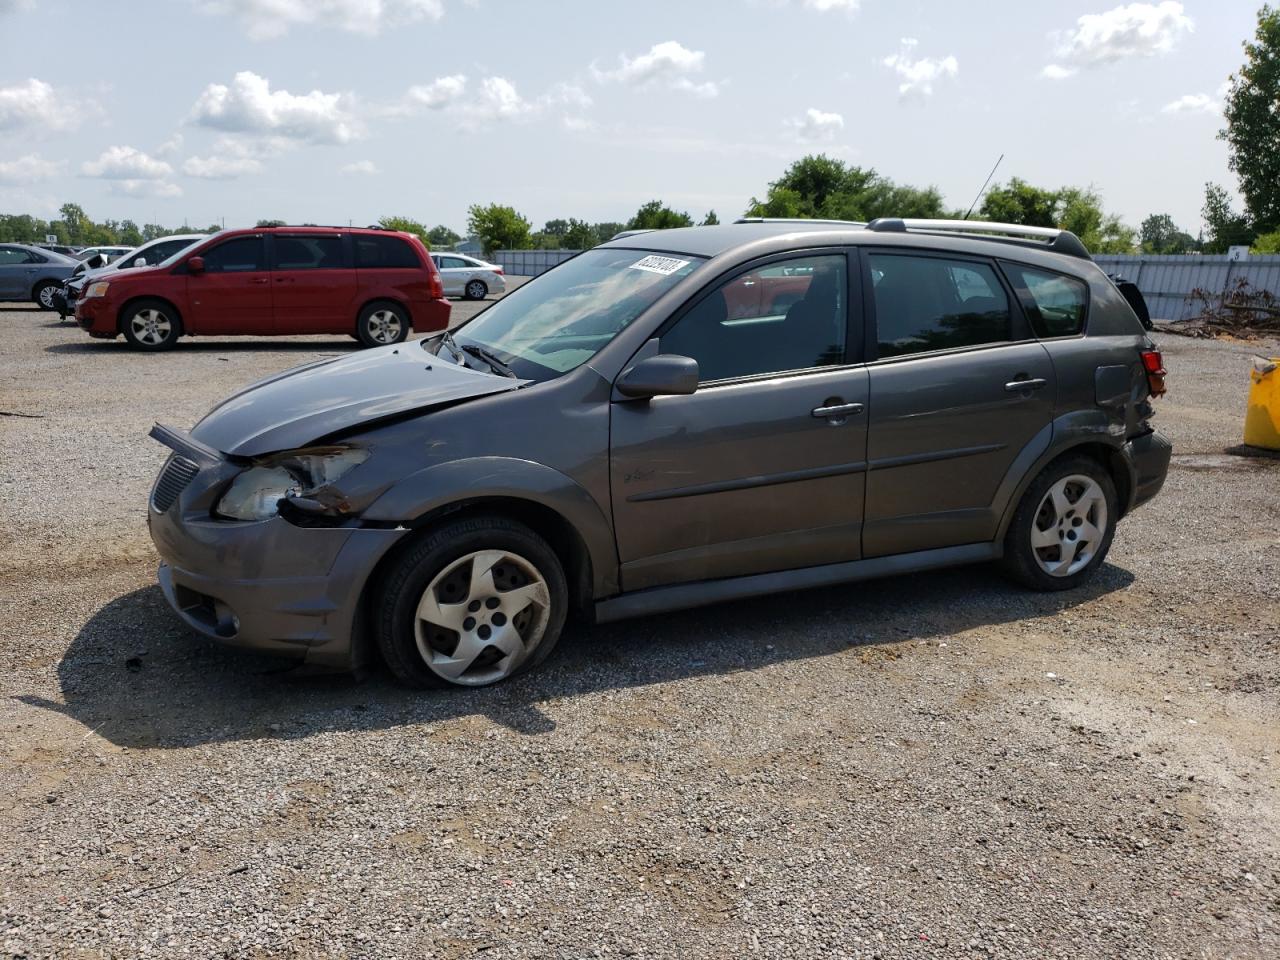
{"x": 1148, "y": 459}
{"x": 430, "y": 316}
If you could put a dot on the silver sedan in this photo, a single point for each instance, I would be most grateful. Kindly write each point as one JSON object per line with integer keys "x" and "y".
{"x": 468, "y": 277}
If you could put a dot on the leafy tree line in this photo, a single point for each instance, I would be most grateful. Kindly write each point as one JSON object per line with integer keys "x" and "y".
{"x": 73, "y": 227}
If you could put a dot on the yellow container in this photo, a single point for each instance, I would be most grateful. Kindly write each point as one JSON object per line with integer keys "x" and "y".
{"x": 1262, "y": 422}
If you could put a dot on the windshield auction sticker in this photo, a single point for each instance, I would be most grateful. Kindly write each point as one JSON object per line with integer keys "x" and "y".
{"x": 663, "y": 265}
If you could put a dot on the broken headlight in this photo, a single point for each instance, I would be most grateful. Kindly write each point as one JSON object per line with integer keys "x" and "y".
{"x": 257, "y": 492}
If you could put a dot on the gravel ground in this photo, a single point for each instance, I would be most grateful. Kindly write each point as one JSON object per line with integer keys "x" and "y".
{"x": 941, "y": 765}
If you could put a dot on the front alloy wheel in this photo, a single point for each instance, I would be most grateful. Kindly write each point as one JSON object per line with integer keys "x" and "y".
{"x": 469, "y": 603}
{"x": 151, "y": 325}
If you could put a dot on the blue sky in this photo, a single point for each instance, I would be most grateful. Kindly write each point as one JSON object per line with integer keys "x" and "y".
{"x": 335, "y": 110}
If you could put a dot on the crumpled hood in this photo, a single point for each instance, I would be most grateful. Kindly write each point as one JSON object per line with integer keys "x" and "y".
{"x": 299, "y": 406}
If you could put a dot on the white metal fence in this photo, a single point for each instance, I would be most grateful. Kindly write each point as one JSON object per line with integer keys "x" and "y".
{"x": 530, "y": 263}
{"x": 1167, "y": 282}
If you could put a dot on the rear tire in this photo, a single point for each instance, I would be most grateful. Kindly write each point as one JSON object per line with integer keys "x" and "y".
{"x": 42, "y": 295}
{"x": 473, "y": 602}
{"x": 476, "y": 290}
{"x": 151, "y": 325}
{"x": 1064, "y": 525}
{"x": 382, "y": 324}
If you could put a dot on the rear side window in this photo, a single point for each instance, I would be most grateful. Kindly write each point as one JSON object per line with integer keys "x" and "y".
{"x": 374, "y": 252}
{"x": 11, "y": 255}
{"x": 239, "y": 255}
{"x": 930, "y": 303}
{"x": 308, "y": 253}
{"x": 1056, "y": 304}
{"x": 454, "y": 263}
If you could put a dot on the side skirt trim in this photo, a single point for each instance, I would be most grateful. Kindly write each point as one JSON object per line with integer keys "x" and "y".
{"x": 685, "y": 595}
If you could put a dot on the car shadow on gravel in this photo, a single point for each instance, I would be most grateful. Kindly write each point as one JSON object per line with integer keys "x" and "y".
{"x": 339, "y": 345}
{"x": 136, "y": 676}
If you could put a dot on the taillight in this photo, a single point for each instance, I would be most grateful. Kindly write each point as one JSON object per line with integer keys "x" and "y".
{"x": 435, "y": 286}
{"x": 1153, "y": 363}
{"x": 498, "y": 271}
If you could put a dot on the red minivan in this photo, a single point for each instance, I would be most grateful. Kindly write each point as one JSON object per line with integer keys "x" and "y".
{"x": 274, "y": 281}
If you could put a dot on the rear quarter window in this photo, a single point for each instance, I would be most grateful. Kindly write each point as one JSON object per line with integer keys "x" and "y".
{"x": 1055, "y": 304}
{"x": 385, "y": 253}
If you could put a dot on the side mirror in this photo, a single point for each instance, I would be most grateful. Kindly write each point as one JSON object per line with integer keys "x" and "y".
{"x": 661, "y": 376}
{"x": 140, "y": 262}
{"x": 196, "y": 264}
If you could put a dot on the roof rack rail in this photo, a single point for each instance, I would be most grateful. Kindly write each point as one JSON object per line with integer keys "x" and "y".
{"x": 851, "y": 223}
{"x": 1059, "y": 241}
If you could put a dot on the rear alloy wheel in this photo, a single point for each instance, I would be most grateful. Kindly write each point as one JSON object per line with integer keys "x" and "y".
{"x": 474, "y": 603}
{"x": 1064, "y": 525}
{"x": 151, "y": 325}
{"x": 44, "y": 295}
{"x": 382, "y": 324}
{"x": 477, "y": 290}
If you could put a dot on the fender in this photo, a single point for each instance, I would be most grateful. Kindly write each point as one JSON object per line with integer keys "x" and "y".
{"x": 1074, "y": 429}
{"x": 480, "y": 478}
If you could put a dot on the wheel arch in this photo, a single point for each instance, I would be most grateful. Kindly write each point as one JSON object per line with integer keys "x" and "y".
{"x": 124, "y": 309}
{"x": 42, "y": 282}
{"x": 377, "y": 298}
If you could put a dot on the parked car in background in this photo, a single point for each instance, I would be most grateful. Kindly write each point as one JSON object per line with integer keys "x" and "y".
{"x": 58, "y": 248}
{"x": 151, "y": 253}
{"x": 375, "y": 285}
{"x": 109, "y": 252}
{"x": 676, "y": 418}
{"x": 468, "y": 277}
{"x": 30, "y": 273}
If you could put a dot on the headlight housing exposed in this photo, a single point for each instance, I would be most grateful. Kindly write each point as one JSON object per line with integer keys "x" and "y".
{"x": 256, "y": 493}
{"x": 97, "y": 289}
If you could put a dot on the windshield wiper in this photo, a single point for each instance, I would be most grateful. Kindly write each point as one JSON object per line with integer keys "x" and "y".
{"x": 491, "y": 358}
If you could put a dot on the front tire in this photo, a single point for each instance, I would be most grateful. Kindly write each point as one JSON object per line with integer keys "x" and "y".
{"x": 42, "y": 295}
{"x": 382, "y": 324}
{"x": 1064, "y": 525}
{"x": 151, "y": 325}
{"x": 474, "y": 602}
{"x": 476, "y": 290}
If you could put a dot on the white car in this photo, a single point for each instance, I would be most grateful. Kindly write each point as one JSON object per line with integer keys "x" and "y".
{"x": 468, "y": 277}
{"x": 111, "y": 253}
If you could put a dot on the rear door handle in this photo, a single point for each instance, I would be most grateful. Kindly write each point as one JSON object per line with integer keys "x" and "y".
{"x": 836, "y": 410}
{"x": 259, "y": 280}
{"x": 1017, "y": 386}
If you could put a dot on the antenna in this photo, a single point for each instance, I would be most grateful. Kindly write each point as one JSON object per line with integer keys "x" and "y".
{"x": 984, "y": 187}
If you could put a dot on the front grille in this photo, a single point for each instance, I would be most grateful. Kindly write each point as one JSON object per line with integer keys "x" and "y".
{"x": 173, "y": 479}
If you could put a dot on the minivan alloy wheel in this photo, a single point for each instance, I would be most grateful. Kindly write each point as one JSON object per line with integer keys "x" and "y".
{"x": 482, "y": 617}
{"x": 384, "y": 326}
{"x": 150, "y": 326}
{"x": 1070, "y": 525}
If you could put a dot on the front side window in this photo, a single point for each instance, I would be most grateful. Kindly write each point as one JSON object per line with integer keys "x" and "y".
{"x": 240, "y": 255}
{"x": 561, "y": 319}
{"x": 308, "y": 253}
{"x": 373, "y": 253}
{"x": 789, "y": 315}
{"x": 10, "y": 256}
{"x": 1055, "y": 304}
{"x": 930, "y": 303}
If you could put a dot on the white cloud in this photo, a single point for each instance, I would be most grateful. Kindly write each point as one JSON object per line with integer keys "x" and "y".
{"x": 668, "y": 64}
{"x": 28, "y": 169}
{"x": 145, "y": 188}
{"x": 37, "y": 104}
{"x": 439, "y": 93}
{"x": 918, "y": 76}
{"x": 249, "y": 105}
{"x": 498, "y": 99}
{"x": 815, "y": 126}
{"x": 1132, "y": 30}
{"x": 235, "y": 156}
{"x": 126, "y": 163}
{"x": 366, "y": 168}
{"x": 267, "y": 19}
{"x": 1193, "y": 103}
{"x": 825, "y": 6}
{"x": 13, "y": 6}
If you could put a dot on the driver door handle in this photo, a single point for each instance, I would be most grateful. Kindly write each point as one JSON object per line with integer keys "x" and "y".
{"x": 1017, "y": 386}
{"x": 837, "y": 410}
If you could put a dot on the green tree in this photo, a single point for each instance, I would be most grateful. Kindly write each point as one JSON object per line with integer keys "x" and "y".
{"x": 556, "y": 228}
{"x": 710, "y": 220}
{"x": 818, "y": 186}
{"x": 1020, "y": 203}
{"x": 1226, "y": 227}
{"x": 1080, "y": 211}
{"x": 655, "y": 215}
{"x": 1252, "y": 112}
{"x": 76, "y": 222}
{"x": 498, "y": 227}
{"x": 405, "y": 225}
{"x": 441, "y": 237}
{"x": 1266, "y": 243}
{"x": 606, "y": 231}
{"x": 579, "y": 235}
{"x": 263, "y": 223}
{"x": 130, "y": 233}
{"x": 1159, "y": 234}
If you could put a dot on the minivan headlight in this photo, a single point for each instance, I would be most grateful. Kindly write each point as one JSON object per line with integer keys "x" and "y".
{"x": 256, "y": 493}
{"x": 98, "y": 289}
